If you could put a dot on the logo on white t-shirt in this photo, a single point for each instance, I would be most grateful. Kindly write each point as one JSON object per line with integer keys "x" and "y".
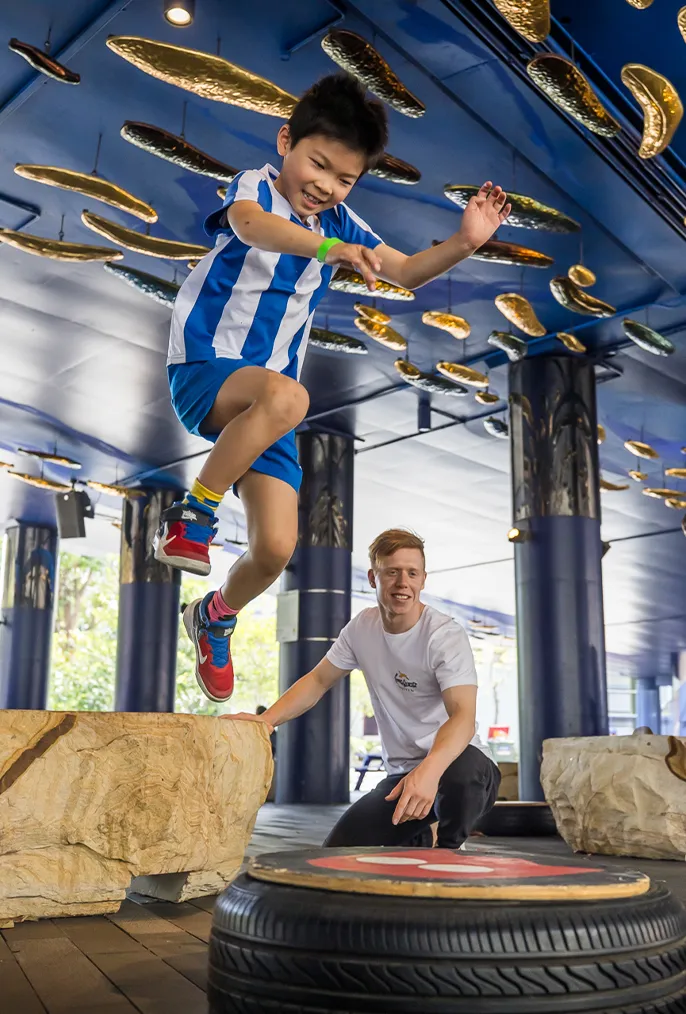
{"x": 404, "y": 682}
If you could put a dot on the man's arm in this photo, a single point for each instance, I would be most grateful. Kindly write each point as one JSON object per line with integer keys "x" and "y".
{"x": 299, "y": 698}
{"x": 482, "y": 216}
{"x": 259, "y": 228}
{"x": 417, "y": 790}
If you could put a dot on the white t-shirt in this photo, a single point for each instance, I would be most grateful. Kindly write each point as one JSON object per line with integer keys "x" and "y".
{"x": 406, "y": 674}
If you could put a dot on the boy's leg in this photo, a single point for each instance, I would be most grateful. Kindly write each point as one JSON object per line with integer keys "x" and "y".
{"x": 253, "y": 409}
{"x": 369, "y": 821}
{"x": 468, "y": 788}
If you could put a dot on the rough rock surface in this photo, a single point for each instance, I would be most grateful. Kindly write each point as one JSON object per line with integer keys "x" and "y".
{"x": 618, "y": 795}
{"x": 89, "y": 801}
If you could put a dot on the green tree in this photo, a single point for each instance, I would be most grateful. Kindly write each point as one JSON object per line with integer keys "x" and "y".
{"x": 84, "y": 649}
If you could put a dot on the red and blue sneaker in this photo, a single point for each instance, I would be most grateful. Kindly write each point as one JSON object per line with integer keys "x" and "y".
{"x": 184, "y": 537}
{"x": 213, "y": 665}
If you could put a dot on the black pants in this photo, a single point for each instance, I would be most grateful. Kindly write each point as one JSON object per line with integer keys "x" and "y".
{"x": 467, "y": 790}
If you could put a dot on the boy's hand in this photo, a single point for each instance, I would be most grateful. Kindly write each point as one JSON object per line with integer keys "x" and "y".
{"x": 361, "y": 258}
{"x": 484, "y": 213}
{"x": 244, "y": 716}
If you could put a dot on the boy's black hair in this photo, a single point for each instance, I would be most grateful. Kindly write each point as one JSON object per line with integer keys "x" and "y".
{"x": 337, "y": 107}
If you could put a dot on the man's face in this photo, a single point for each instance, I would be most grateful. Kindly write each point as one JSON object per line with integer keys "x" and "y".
{"x": 398, "y": 581}
{"x": 317, "y": 173}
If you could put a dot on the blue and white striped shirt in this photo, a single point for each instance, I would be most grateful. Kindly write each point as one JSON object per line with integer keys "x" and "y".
{"x": 244, "y": 303}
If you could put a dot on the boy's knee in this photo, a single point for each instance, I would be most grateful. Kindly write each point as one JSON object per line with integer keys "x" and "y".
{"x": 285, "y": 401}
{"x": 272, "y": 555}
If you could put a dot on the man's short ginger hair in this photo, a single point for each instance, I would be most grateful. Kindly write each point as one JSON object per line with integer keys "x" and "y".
{"x": 391, "y": 540}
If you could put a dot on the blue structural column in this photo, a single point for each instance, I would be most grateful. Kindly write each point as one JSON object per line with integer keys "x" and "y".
{"x": 149, "y": 595}
{"x": 648, "y": 704}
{"x": 28, "y": 613}
{"x": 313, "y": 751}
{"x": 559, "y": 596}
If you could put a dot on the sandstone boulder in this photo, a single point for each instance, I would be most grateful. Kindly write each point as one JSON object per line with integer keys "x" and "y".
{"x": 618, "y": 795}
{"x": 90, "y": 802}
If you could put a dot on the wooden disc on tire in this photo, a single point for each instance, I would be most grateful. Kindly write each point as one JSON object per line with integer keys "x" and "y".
{"x": 442, "y": 873}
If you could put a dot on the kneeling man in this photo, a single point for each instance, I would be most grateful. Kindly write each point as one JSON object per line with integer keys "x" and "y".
{"x": 420, "y": 672}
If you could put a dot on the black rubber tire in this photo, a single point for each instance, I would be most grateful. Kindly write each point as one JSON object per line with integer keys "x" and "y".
{"x": 517, "y": 820}
{"x": 282, "y": 950}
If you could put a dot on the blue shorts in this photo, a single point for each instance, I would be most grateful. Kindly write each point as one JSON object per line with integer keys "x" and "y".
{"x": 194, "y": 387}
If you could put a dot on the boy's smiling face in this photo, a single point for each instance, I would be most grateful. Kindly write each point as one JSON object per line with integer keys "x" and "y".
{"x": 317, "y": 173}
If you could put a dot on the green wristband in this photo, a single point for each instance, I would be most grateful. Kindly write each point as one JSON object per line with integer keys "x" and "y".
{"x": 325, "y": 247}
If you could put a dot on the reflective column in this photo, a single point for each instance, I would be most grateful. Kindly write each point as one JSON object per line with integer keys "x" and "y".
{"x": 28, "y": 613}
{"x": 313, "y": 751}
{"x": 648, "y": 704}
{"x": 149, "y": 596}
{"x": 556, "y": 519}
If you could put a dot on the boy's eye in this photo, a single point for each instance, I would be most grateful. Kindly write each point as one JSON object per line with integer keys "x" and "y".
{"x": 318, "y": 164}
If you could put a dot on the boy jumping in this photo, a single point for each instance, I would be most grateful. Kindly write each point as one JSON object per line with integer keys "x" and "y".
{"x": 239, "y": 333}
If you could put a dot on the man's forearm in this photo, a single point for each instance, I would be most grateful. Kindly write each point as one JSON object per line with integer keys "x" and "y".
{"x": 426, "y": 265}
{"x": 452, "y": 739}
{"x": 271, "y": 232}
{"x": 298, "y": 699}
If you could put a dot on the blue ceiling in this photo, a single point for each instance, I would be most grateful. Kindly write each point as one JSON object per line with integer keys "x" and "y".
{"x": 84, "y": 354}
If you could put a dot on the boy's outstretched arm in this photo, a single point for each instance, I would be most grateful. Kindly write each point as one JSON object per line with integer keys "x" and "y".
{"x": 482, "y": 216}
{"x": 259, "y": 228}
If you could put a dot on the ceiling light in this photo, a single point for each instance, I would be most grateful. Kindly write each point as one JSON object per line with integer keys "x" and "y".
{"x": 179, "y": 13}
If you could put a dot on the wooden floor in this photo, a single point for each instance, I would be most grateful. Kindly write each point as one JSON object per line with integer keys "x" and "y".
{"x": 151, "y": 956}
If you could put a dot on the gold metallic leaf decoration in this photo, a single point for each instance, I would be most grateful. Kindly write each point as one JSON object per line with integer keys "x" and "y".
{"x": 204, "y": 74}
{"x": 638, "y": 476}
{"x": 458, "y": 327}
{"x": 371, "y": 313}
{"x": 112, "y": 489}
{"x": 499, "y": 252}
{"x": 346, "y": 280}
{"x": 159, "y": 289}
{"x": 519, "y": 311}
{"x": 581, "y": 276}
{"x": 513, "y": 347}
{"x": 359, "y": 58}
{"x": 677, "y": 504}
{"x": 396, "y": 170}
{"x": 573, "y": 298}
{"x": 601, "y": 433}
{"x": 221, "y": 193}
{"x": 176, "y": 150}
{"x": 661, "y": 105}
{"x": 676, "y": 473}
{"x": 570, "y": 341}
{"x": 39, "y": 482}
{"x": 531, "y": 18}
{"x": 40, "y": 61}
{"x": 641, "y": 5}
{"x": 90, "y": 186}
{"x": 640, "y": 449}
{"x": 322, "y": 338}
{"x": 139, "y": 242}
{"x": 381, "y": 333}
{"x": 659, "y": 493}
{"x": 462, "y": 374}
{"x": 50, "y": 457}
{"x": 612, "y": 486}
{"x": 487, "y": 397}
{"x": 681, "y": 22}
{"x": 526, "y": 213}
{"x": 496, "y": 428}
{"x": 646, "y": 338}
{"x": 566, "y": 86}
{"x": 57, "y": 249}
{"x": 429, "y": 382}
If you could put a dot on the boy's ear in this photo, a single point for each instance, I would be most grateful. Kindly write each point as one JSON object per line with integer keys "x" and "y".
{"x": 283, "y": 140}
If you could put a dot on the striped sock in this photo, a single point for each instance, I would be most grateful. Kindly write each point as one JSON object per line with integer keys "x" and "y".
{"x": 201, "y": 496}
{"x": 217, "y": 608}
